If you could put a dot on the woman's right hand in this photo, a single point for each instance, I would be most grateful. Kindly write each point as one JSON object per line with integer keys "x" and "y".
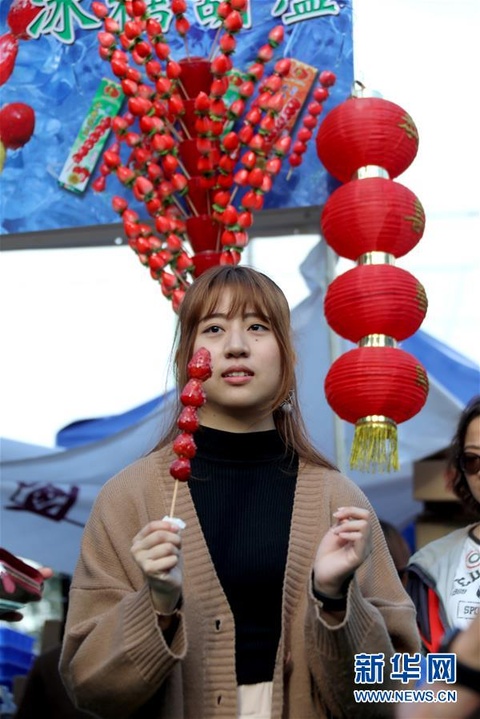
{"x": 157, "y": 551}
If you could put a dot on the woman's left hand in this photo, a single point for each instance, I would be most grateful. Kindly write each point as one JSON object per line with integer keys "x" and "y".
{"x": 342, "y": 550}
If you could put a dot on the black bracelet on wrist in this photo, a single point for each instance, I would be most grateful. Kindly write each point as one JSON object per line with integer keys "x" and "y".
{"x": 333, "y": 604}
{"x": 466, "y": 676}
{"x": 174, "y": 611}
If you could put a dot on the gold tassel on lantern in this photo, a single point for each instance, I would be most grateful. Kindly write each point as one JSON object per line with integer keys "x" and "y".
{"x": 375, "y": 445}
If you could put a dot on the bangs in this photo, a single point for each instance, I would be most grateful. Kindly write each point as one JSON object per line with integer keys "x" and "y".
{"x": 247, "y": 293}
{"x": 242, "y": 300}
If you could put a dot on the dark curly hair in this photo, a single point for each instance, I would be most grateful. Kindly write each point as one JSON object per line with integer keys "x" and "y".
{"x": 459, "y": 481}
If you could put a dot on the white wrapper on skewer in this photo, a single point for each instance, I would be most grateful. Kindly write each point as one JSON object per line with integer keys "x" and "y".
{"x": 175, "y": 520}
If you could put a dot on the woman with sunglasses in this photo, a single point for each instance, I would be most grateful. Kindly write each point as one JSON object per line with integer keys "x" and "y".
{"x": 444, "y": 575}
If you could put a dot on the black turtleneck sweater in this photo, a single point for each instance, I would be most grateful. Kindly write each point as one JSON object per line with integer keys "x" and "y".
{"x": 243, "y": 487}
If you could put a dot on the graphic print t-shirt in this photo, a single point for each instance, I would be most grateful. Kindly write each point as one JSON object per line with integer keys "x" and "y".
{"x": 464, "y": 600}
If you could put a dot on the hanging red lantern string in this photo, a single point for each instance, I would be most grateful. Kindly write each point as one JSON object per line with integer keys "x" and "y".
{"x": 366, "y": 142}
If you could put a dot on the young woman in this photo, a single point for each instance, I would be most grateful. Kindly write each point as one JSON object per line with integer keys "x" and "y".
{"x": 444, "y": 575}
{"x": 281, "y": 575}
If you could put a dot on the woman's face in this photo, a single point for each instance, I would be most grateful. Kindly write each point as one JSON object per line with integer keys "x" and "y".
{"x": 246, "y": 369}
{"x": 472, "y": 446}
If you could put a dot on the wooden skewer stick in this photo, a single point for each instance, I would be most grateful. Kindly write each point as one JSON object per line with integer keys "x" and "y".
{"x": 192, "y": 206}
{"x": 174, "y": 130}
{"x": 179, "y": 205}
{"x": 181, "y": 280}
{"x": 214, "y": 43}
{"x": 184, "y": 128}
{"x": 183, "y": 169}
{"x": 174, "y": 498}
{"x": 182, "y": 86}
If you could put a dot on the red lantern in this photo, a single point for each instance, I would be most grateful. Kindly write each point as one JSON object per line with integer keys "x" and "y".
{"x": 375, "y": 388}
{"x": 375, "y": 299}
{"x": 366, "y": 131}
{"x": 372, "y": 214}
{"x": 373, "y": 220}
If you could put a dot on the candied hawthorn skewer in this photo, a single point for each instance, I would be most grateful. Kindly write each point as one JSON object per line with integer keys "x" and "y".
{"x": 192, "y": 397}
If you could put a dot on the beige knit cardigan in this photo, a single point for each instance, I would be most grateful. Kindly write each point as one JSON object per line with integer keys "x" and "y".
{"x": 117, "y": 664}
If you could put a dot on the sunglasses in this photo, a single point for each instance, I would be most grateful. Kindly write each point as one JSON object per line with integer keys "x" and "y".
{"x": 469, "y": 462}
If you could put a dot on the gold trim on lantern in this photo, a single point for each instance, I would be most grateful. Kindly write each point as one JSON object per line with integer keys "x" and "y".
{"x": 370, "y": 171}
{"x": 422, "y": 297}
{"x": 375, "y": 445}
{"x": 376, "y": 340}
{"x": 417, "y": 220}
{"x": 376, "y": 258}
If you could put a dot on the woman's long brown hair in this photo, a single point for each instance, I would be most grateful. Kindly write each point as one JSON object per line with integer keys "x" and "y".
{"x": 248, "y": 288}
